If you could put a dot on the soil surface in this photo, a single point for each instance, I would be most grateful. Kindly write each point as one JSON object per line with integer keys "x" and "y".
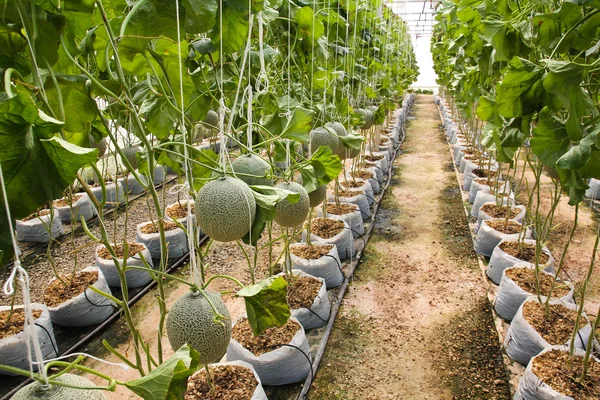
{"x": 523, "y": 251}
{"x": 266, "y": 341}
{"x": 152, "y": 227}
{"x": 60, "y": 291}
{"x": 178, "y": 210}
{"x": 500, "y": 212}
{"x": 561, "y": 372}
{"x": 341, "y": 209}
{"x": 416, "y": 323}
{"x": 352, "y": 183}
{"x": 14, "y": 325}
{"x": 134, "y": 248}
{"x": 557, "y": 327}
{"x": 326, "y": 228}
{"x": 505, "y": 226}
{"x": 230, "y": 382}
{"x": 313, "y": 252}
{"x": 525, "y": 279}
{"x": 302, "y": 291}
{"x": 64, "y": 202}
{"x": 362, "y": 174}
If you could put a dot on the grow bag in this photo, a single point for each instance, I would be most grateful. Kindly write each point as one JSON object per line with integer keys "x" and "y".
{"x": 365, "y": 189}
{"x": 88, "y": 308}
{"x": 344, "y": 242}
{"x": 39, "y": 229}
{"x": 594, "y": 191}
{"x": 177, "y": 243}
{"x": 279, "y": 366}
{"x": 488, "y": 238}
{"x": 483, "y": 216}
{"x": 315, "y": 315}
{"x": 511, "y": 296}
{"x": 115, "y": 194}
{"x": 353, "y": 219}
{"x": 182, "y": 220}
{"x": 13, "y": 349}
{"x": 327, "y": 267}
{"x": 500, "y": 260}
{"x": 477, "y": 187}
{"x": 82, "y": 207}
{"x": 481, "y": 198}
{"x": 523, "y": 342}
{"x": 135, "y": 277}
{"x": 259, "y": 392}
{"x": 533, "y": 388}
{"x": 360, "y": 199}
{"x": 469, "y": 175}
{"x": 384, "y": 163}
{"x": 132, "y": 186}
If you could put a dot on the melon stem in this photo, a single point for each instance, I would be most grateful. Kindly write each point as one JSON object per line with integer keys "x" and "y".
{"x": 308, "y": 228}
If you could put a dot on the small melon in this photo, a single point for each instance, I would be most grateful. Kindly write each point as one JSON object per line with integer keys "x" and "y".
{"x": 368, "y": 116}
{"x": 251, "y": 164}
{"x": 102, "y": 146}
{"x": 225, "y": 209}
{"x": 130, "y": 155}
{"x": 291, "y": 215}
{"x": 212, "y": 120}
{"x": 340, "y": 130}
{"x": 191, "y": 320}
{"x": 317, "y": 196}
{"x": 352, "y": 153}
{"x": 322, "y": 137}
{"x": 35, "y": 391}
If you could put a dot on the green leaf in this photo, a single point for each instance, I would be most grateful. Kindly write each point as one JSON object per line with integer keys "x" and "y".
{"x": 298, "y": 125}
{"x": 169, "y": 380}
{"x": 234, "y": 32}
{"x": 161, "y": 119}
{"x": 80, "y": 108}
{"x": 327, "y": 166}
{"x": 503, "y": 37}
{"x": 352, "y": 141}
{"x": 578, "y": 156}
{"x": 486, "y": 109}
{"x": 266, "y": 304}
{"x": 517, "y": 93}
{"x": 308, "y": 26}
{"x": 200, "y": 15}
{"x": 379, "y": 115}
{"x": 550, "y": 140}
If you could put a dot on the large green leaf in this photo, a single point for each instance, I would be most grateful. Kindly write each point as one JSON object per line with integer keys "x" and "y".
{"x": 200, "y": 15}
{"x": 308, "y": 26}
{"x": 234, "y": 33}
{"x": 80, "y": 108}
{"x": 550, "y": 140}
{"x": 298, "y": 125}
{"x": 169, "y": 380}
{"x": 266, "y": 304}
{"x": 519, "y": 90}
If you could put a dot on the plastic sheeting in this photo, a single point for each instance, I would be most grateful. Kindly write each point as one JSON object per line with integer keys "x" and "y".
{"x": 86, "y": 309}
{"x": 594, "y": 191}
{"x": 510, "y": 296}
{"x": 13, "y": 349}
{"x": 280, "y": 366}
{"x": 523, "y": 342}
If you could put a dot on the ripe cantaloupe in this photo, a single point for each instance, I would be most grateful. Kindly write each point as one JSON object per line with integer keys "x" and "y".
{"x": 191, "y": 320}
{"x": 225, "y": 209}
{"x": 291, "y": 215}
{"x": 340, "y": 130}
{"x": 35, "y": 391}
{"x": 251, "y": 164}
{"x": 322, "y": 137}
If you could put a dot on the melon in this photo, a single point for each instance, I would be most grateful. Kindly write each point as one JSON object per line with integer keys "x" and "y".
{"x": 35, "y": 391}
{"x": 352, "y": 153}
{"x": 102, "y": 146}
{"x": 212, "y": 119}
{"x": 340, "y": 130}
{"x": 317, "y": 196}
{"x": 290, "y": 215}
{"x": 368, "y": 116}
{"x": 225, "y": 209}
{"x": 322, "y": 137}
{"x": 252, "y": 164}
{"x": 130, "y": 155}
{"x": 191, "y": 320}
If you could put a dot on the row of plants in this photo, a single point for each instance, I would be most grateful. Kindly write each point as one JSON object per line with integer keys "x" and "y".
{"x": 257, "y": 107}
{"x": 522, "y": 110}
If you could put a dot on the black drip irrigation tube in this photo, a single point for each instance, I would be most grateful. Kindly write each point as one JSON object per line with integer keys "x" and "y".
{"x": 335, "y": 307}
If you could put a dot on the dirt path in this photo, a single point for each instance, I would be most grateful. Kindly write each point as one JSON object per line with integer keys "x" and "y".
{"x": 416, "y": 323}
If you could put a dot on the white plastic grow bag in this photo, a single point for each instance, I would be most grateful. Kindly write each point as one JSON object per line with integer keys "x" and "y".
{"x": 115, "y": 194}
{"x": 177, "y": 243}
{"x": 500, "y": 260}
{"x": 360, "y": 199}
{"x": 344, "y": 242}
{"x": 483, "y": 216}
{"x": 353, "y": 219}
{"x": 135, "y": 277}
{"x": 13, "y": 349}
{"x": 279, "y": 366}
{"x": 83, "y": 207}
{"x": 183, "y": 219}
{"x": 314, "y": 315}
{"x": 328, "y": 267}
{"x": 469, "y": 175}
{"x": 477, "y": 187}
{"x": 132, "y": 186}
{"x": 383, "y": 163}
{"x": 594, "y": 191}
{"x": 88, "y": 308}
{"x": 533, "y": 388}
{"x": 523, "y": 342}
{"x": 511, "y": 296}
{"x": 259, "y": 392}
{"x": 365, "y": 189}
{"x": 481, "y": 198}
{"x": 39, "y": 229}
{"x": 487, "y": 238}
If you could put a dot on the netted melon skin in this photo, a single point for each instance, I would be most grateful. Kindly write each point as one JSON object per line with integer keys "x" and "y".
{"x": 340, "y": 130}
{"x": 322, "y": 137}
{"x": 225, "y": 209}
{"x": 252, "y": 164}
{"x": 291, "y": 215}
{"x": 191, "y": 321}
{"x": 34, "y": 391}
{"x": 317, "y": 196}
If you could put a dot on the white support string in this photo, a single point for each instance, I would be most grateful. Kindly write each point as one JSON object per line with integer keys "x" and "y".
{"x": 262, "y": 80}
{"x": 249, "y": 99}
